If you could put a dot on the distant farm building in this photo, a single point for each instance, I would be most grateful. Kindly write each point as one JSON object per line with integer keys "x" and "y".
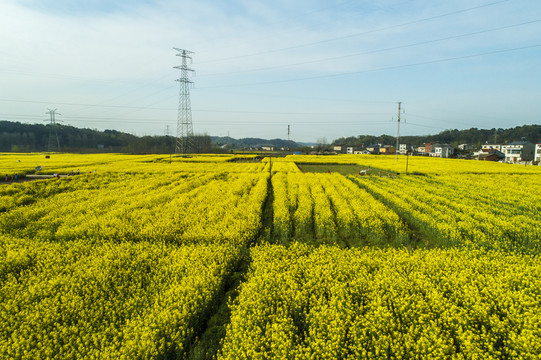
{"x": 518, "y": 151}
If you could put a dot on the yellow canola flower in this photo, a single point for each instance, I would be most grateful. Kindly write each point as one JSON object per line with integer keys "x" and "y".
{"x": 182, "y": 208}
{"x": 465, "y": 210}
{"x": 326, "y": 303}
{"x": 107, "y": 301}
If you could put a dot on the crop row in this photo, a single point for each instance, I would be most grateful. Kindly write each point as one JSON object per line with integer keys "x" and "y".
{"x": 417, "y": 164}
{"x": 182, "y": 208}
{"x": 303, "y": 302}
{"x": 11, "y": 164}
{"x": 489, "y": 211}
{"x": 107, "y": 301}
{"x": 330, "y": 209}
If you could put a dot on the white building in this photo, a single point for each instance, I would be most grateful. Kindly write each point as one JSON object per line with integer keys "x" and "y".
{"x": 492, "y": 147}
{"x": 518, "y": 151}
{"x": 466, "y": 147}
{"x": 443, "y": 151}
{"x": 353, "y": 150}
{"x": 538, "y": 152}
{"x": 404, "y": 148}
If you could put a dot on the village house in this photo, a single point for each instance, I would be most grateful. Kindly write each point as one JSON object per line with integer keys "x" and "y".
{"x": 538, "y": 152}
{"x": 490, "y": 155}
{"x": 466, "y": 147}
{"x": 374, "y": 149}
{"x": 387, "y": 150}
{"x": 430, "y": 148}
{"x": 518, "y": 151}
{"x": 353, "y": 150}
{"x": 492, "y": 147}
{"x": 341, "y": 149}
{"x": 484, "y": 152}
{"x": 405, "y": 148}
{"x": 443, "y": 151}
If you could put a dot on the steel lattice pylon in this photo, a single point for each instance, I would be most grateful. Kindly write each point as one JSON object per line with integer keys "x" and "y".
{"x": 184, "y": 142}
{"x": 54, "y": 142}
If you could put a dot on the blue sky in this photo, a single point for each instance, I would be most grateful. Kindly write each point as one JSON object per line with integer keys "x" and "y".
{"x": 326, "y": 68}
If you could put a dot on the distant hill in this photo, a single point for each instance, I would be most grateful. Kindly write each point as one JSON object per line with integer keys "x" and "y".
{"x": 253, "y": 142}
{"x": 19, "y": 137}
{"x": 455, "y": 137}
{"x": 15, "y": 136}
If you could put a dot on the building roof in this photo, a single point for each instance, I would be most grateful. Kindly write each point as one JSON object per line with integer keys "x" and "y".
{"x": 519, "y": 143}
{"x": 493, "y": 155}
{"x": 492, "y": 151}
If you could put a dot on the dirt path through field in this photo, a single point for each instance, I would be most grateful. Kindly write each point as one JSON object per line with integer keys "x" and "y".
{"x": 27, "y": 178}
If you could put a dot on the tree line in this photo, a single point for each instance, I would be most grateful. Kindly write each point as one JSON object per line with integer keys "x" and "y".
{"x": 19, "y": 137}
{"x": 473, "y": 136}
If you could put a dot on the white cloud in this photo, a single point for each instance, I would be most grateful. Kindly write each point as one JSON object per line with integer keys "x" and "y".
{"x": 122, "y": 54}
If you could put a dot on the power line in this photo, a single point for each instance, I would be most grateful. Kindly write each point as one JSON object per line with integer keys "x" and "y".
{"x": 357, "y": 34}
{"x": 282, "y": 21}
{"x": 243, "y": 123}
{"x": 440, "y": 120}
{"x": 306, "y": 113}
{"x": 273, "y": 82}
{"x": 426, "y": 126}
{"x": 86, "y": 104}
{"x": 394, "y": 67}
{"x": 169, "y": 109}
{"x": 138, "y": 100}
{"x": 377, "y": 50}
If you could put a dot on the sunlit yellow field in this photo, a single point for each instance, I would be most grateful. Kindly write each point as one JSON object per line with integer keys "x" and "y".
{"x": 234, "y": 257}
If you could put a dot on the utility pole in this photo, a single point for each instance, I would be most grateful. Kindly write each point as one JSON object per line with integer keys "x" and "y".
{"x": 53, "y": 133}
{"x": 168, "y": 143}
{"x": 398, "y": 131}
{"x": 184, "y": 142}
{"x": 407, "y": 160}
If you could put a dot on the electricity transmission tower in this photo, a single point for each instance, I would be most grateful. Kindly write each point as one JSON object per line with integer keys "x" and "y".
{"x": 54, "y": 142}
{"x": 398, "y": 132}
{"x": 288, "y": 136}
{"x": 184, "y": 143}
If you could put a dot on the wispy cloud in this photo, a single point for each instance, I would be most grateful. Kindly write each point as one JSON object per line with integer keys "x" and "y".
{"x": 120, "y": 52}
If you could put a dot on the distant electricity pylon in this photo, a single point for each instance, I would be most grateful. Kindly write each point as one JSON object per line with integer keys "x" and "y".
{"x": 288, "y": 132}
{"x": 184, "y": 143}
{"x": 54, "y": 142}
{"x": 398, "y": 132}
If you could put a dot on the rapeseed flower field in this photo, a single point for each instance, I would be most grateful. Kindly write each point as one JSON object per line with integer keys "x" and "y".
{"x": 137, "y": 256}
